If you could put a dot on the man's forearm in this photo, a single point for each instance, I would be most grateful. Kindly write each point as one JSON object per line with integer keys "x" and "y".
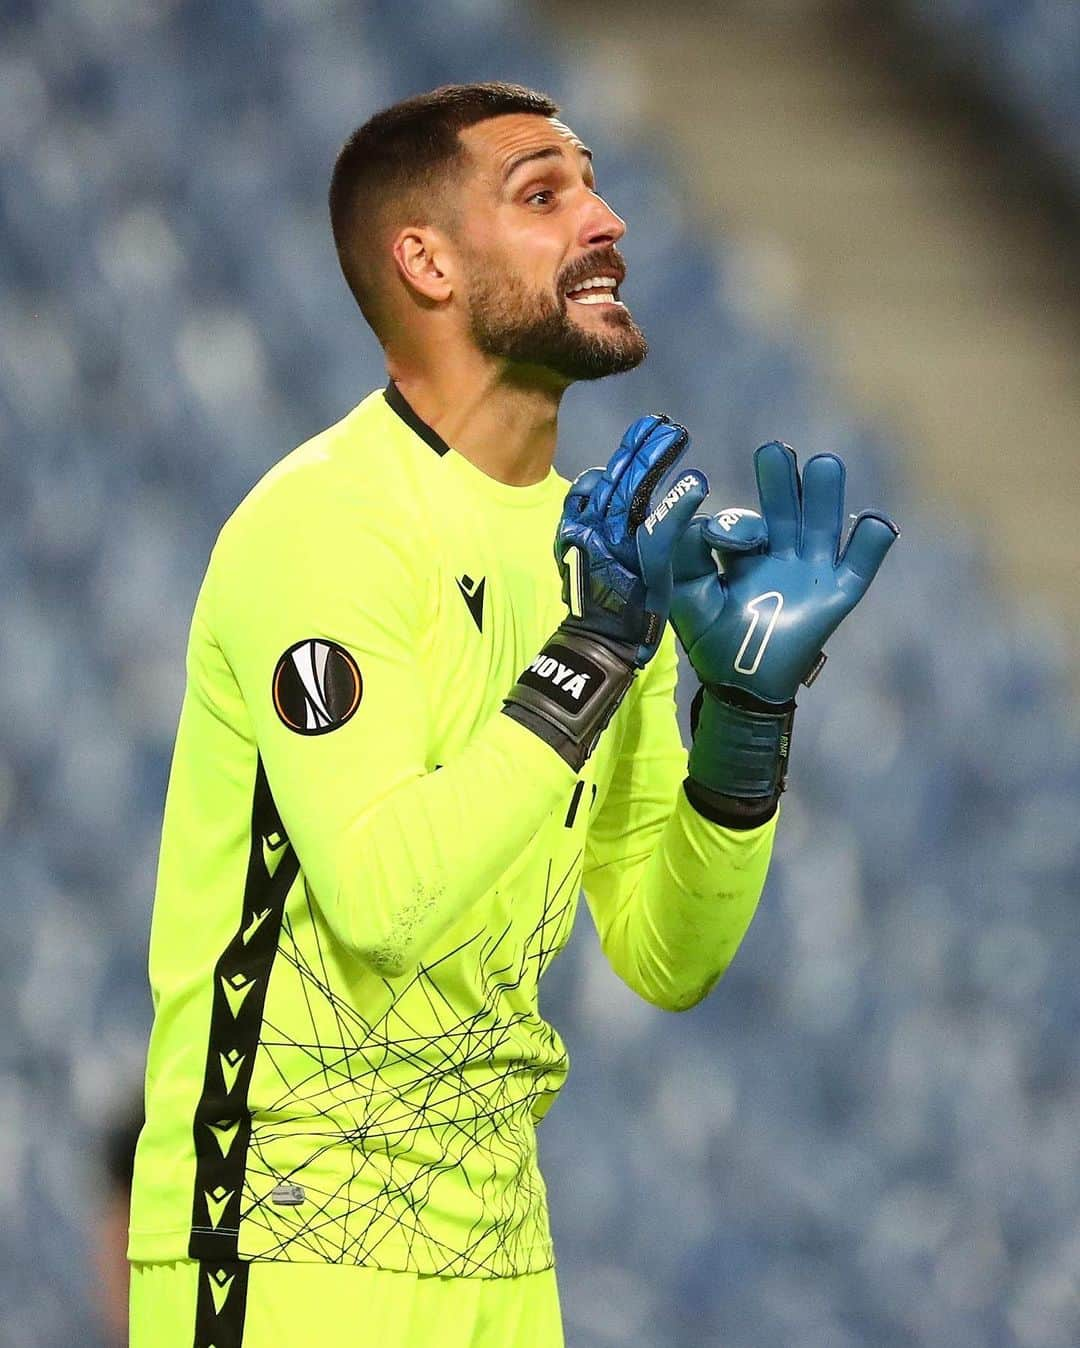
{"x": 421, "y": 856}
{"x": 676, "y": 932}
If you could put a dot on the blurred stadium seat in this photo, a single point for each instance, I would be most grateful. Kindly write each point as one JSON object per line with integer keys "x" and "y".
{"x": 867, "y": 1136}
{"x": 1027, "y": 54}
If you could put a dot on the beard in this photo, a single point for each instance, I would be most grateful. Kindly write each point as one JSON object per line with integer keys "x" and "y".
{"x": 509, "y": 321}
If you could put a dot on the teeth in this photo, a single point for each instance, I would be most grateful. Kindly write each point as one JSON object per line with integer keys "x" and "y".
{"x": 594, "y": 282}
{"x": 601, "y": 298}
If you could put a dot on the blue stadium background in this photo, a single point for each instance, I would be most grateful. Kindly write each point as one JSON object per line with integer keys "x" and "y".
{"x": 867, "y": 1137}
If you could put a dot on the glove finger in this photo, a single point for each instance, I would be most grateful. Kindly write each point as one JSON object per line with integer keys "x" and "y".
{"x": 823, "y": 507}
{"x": 633, "y": 439}
{"x": 737, "y": 529}
{"x": 778, "y": 487}
{"x": 660, "y": 532}
{"x": 577, "y": 498}
{"x": 659, "y": 452}
{"x": 692, "y": 555}
{"x": 871, "y": 538}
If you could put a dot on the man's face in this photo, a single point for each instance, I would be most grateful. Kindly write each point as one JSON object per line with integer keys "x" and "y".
{"x": 538, "y": 243}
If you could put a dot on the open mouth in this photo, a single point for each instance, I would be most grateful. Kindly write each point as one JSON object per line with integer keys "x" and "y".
{"x": 596, "y": 290}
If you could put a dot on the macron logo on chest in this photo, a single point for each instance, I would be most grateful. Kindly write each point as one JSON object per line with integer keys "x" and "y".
{"x": 562, "y": 676}
{"x": 472, "y": 591}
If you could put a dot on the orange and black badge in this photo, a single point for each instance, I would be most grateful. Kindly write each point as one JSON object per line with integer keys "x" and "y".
{"x": 317, "y": 687}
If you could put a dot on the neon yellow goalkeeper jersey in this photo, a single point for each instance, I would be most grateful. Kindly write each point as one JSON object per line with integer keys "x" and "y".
{"x": 366, "y": 867}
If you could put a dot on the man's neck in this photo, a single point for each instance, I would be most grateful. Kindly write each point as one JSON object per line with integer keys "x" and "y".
{"x": 506, "y": 427}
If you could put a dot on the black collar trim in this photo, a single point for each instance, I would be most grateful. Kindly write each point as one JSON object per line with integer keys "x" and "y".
{"x": 396, "y": 402}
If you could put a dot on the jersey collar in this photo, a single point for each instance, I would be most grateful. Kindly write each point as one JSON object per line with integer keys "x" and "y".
{"x": 395, "y": 400}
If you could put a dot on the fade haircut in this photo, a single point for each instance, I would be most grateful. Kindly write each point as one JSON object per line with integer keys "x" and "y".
{"x": 393, "y": 169}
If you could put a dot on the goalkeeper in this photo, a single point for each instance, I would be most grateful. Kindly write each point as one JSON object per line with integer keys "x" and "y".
{"x": 410, "y": 736}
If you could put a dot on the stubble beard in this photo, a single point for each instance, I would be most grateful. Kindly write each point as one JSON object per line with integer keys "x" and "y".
{"x": 529, "y": 329}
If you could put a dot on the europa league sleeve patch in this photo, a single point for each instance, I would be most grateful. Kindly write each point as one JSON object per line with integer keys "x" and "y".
{"x": 317, "y": 687}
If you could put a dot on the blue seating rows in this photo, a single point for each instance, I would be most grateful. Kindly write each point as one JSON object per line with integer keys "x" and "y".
{"x": 1027, "y": 53}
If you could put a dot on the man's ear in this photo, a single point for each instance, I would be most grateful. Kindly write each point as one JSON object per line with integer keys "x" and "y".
{"x": 423, "y": 259}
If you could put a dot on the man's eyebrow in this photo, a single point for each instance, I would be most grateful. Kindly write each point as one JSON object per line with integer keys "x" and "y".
{"x": 548, "y": 152}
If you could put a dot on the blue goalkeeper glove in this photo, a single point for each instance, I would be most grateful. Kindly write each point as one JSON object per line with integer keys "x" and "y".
{"x": 613, "y": 547}
{"x": 755, "y": 599}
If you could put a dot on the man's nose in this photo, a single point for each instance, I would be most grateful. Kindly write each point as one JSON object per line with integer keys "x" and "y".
{"x": 601, "y": 225}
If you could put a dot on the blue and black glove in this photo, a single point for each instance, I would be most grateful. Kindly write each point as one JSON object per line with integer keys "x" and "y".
{"x": 755, "y": 599}
{"x": 613, "y": 548}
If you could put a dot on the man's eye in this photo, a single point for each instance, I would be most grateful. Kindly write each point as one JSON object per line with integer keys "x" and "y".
{"x": 543, "y": 197}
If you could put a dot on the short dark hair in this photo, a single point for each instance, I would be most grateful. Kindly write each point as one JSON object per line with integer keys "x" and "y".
{"x": 398, "y": 161}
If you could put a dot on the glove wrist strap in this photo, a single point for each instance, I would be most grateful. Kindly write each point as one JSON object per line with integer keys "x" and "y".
{"x": 738, "y": 813}
{"x": 570, "y": 692}
{"x": 739, "y": 751}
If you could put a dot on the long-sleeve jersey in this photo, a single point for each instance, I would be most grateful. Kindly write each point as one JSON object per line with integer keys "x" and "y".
{"x": 366, "y": 867}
